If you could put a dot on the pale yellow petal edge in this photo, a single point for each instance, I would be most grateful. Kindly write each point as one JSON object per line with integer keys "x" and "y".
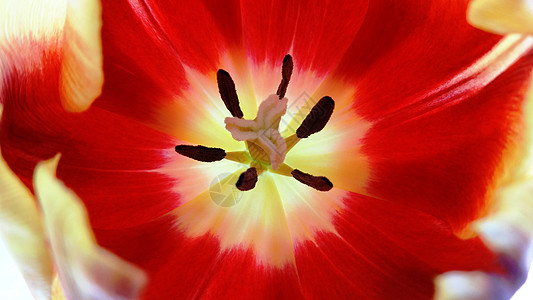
{"x": 82, "y": 74}
{"x": 86, "y": 270}
{"x": 502, "y": 16}
{"x": 21, "y": 229}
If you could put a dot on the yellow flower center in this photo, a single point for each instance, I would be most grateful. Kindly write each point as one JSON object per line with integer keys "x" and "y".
{"x": 266, "y": 147}
{"x": 272, "y": 218}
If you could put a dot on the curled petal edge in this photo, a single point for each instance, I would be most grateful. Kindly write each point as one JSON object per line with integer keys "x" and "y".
{"x": 21, "y": 229}
{"x": 82, "y": 73}
{"x": 70, "y": 28}
{"x": 508, "y": 232}
{"x": 513, "y": 247}
{"x": 86, "y": 270}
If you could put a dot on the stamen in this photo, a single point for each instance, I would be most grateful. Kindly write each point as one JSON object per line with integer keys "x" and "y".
{"x": 317, "y": 119}
{"x": 286, "y": 72}
{"x": 318, "y": 183}
{"x": 247, "y": 180}
{"x": 228, "y": 93}
{"x": 242, "y": 157}
{"x": 201, "y": 153}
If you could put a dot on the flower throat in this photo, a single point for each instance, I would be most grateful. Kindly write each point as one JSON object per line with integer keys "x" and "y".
{"x": 266, "y": 148}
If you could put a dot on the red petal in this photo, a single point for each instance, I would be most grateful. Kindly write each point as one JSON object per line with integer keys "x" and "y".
{"x": 112, "y": 165}
{"x": 384, "y": 250}
{"x": 196, "y": 268}
{"x": 146, "y": 46}
{"x": 316, "y": 33}
{"x": 144, "y": 72}
{"x": 405, "y": 49}
{"x": 146, "y": 43}
{"x": 32, "y": 109}
{"x": 110, "y": 161}
{"x": 142, "y": 69}
{"x": 187, "y": 27}
{"x": 446, "y": 163}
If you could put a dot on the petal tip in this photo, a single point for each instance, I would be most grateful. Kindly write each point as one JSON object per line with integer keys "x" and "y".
{"x": 82, "y": 67}
{"x": 501, "y": 16}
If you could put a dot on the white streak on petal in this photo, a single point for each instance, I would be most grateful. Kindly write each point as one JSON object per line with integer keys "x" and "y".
{"x": 502, "y": 16}
{"x": 87, "y": 271}
{"x": 82, "y": 74}
{"x": 21, "y": 228}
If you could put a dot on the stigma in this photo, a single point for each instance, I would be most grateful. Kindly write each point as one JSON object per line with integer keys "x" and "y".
{"x": 266, "y": 147}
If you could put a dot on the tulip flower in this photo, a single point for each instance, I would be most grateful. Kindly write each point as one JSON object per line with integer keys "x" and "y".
{"x": 273, "y": 149}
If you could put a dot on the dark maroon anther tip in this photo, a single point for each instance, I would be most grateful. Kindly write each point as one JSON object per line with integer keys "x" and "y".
{"x": 286, "y": 69}
{"x": 286, "y": 72}
{"x": 319, "y": 183}
{"x": 317, "y": 119}
{"x": 201, "y": 153}
{"x": 247, "y": 180}
{"x": 228, "y": 93}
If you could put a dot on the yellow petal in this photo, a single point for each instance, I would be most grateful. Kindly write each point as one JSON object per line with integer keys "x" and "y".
{"x": 82, "y": 74}
{"x": 86, "y": 270}
{"x": 20, "y": 226}
{"x": 502, "y": 16}
{"x": 57, "y": 290}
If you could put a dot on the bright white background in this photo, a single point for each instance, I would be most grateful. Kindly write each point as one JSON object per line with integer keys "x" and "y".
{"x": 12, "y": 286}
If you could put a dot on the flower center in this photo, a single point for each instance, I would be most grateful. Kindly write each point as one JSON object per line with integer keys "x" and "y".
{"x": 266, "y": 146}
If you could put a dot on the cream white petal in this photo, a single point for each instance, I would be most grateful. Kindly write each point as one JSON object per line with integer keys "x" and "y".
{"x": 30, "y": 28}
{"x": 21, "y": 229}
{"x": 35, "y": 19}
{"x": 471, "y": 286}
{"x": 512, "y": 244}
{"x": 86, "y": 270}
